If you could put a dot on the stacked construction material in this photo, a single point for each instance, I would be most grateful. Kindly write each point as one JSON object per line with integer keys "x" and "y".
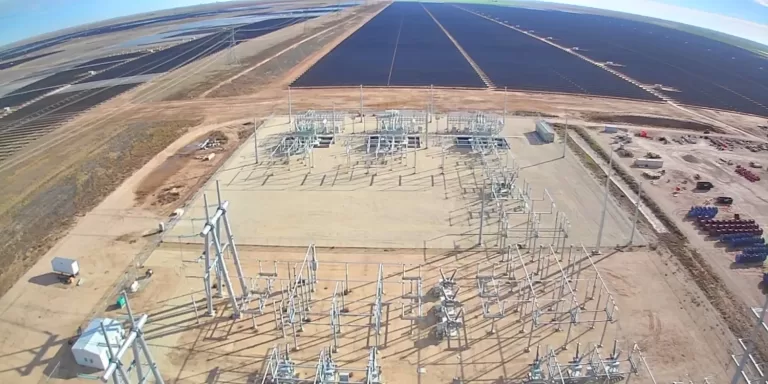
{"x": 732, "y": 226}
{"x": 702, "y": 212}
{"x": 753, "y": 254}
{"x": 742, "y": 240}
{"x": 749, "y": 175}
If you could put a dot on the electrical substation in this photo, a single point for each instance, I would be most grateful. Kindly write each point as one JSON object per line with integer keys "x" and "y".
{"x": 399, "y": 246}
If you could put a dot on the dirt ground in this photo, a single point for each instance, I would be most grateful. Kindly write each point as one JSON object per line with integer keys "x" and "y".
{"x": 194, "y": 349}
{"x": 423, "y": 200}
{"x": 182, "y": 174}
{"x": 681, "y": 163}
{"x": 96, "y": 179}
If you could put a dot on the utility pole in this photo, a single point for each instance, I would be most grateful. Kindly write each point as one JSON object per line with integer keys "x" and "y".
{"x": 482, "y": 216}
{"x": 255, "y": 141}
{"x": 505, "y": 105}
{"x": 289, "y": 104}
{"x": 605, "y": 203}
{"x": 232, "y": 54}
{"x": 565, "y": 136}
{"x": 637, "y": 210}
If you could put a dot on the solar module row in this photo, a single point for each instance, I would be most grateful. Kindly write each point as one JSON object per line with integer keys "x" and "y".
{"x": 48, "y": 84}
{"x": 404, "y": 46}
{"x": 707, "y": 72}
{"x": 35, "y": 46}
{"x": 187, "y": 52}
{"x": 401, "y": 46}
{"x": 512, "y": 59}
{"x": 13, "y": 63}
{"x": 27, "y": 124}
{"x": 112, "y": 59}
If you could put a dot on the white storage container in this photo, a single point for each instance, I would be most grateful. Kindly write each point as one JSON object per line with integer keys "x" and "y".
{"x": 65, "y": 266}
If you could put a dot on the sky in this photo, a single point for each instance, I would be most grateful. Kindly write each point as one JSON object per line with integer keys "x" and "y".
{"x": 742, "y": 18}
{"x": 20, "y": 19}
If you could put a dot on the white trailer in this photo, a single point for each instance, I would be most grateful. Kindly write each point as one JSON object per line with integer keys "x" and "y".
{"x": 64, "y": 266}
{"x": 649, "y": 163}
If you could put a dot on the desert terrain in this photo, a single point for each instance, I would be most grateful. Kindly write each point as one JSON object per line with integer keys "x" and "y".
{"x": 97, "y": 188}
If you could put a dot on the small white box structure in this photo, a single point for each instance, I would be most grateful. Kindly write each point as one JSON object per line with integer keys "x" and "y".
{"x": 91, "y": 349}
{"x": 65, "y": 266}
{"x": 611, "y": 129}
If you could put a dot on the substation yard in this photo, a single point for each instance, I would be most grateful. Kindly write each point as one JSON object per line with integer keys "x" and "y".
{"x": 370, "y": 233}
{"x": 379, "y": 225}
{"x": 430, "y": 201}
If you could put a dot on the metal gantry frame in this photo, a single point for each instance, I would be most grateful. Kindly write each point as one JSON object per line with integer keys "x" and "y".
{"x": 311, "y": 129}
{"x": 563, "y": 306}
{"x": 449, "y": 311}
{"x": 211, "y": 233}
{"x": 542, "y": 286}
{"x": 378, "y": 309}
{"x": 411, "y": 300}
{"x": 490, "y": 296}
{"x": 396, "y": 132}
{"x": 748, "y": 369}
{"x": 296, "y": 301}
{"x": 595, "y": 366}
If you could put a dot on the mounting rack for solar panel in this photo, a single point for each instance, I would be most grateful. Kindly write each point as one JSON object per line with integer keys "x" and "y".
{"x": 397, "y": 131}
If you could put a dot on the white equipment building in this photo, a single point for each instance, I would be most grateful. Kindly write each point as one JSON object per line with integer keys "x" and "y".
{"x": 92, "y": 347}
{"x": 545, "y": 131}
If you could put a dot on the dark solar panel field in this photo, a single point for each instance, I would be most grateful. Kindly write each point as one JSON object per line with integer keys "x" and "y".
{"x": 48, "y": 84}
{"x": 44, "y": 115}
{"x": 112, "y": 59}
{"x": 13, "y": 63}
{"x": 707, "y": 72}
{"x": 402, "y": 46}
{"x": 514, "y": 60}
{"x": 185, "y": 53}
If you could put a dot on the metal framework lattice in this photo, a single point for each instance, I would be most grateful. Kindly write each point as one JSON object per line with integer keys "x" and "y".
{"x": 397, "y": 131}
{"x": 212, "y": 235}
{"x": 311, "y": 129}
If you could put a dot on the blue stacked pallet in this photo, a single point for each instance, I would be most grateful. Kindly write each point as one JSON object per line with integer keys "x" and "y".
{"x": 750, "y": 258}
{"x": 745, "y": 241}
{"x": 733, "y": 236}
{"x": 762, "y": 249}
{"x": 702, "y": 212}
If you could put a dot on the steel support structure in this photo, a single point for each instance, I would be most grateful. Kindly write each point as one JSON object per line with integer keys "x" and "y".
{"x": 396, "y": 132}
{"x": 116, "y": 370}
{"x": 411, "y": 299}
{"x": 748, "y": 369}
{"x": 378, "y": 310}
{"x": 490, "y": 295}
{"x": 211, "y": 233}
{"x": 293, "y": 309}
{"x": 594, "y": 366}
{"x": 311, "y": 129}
